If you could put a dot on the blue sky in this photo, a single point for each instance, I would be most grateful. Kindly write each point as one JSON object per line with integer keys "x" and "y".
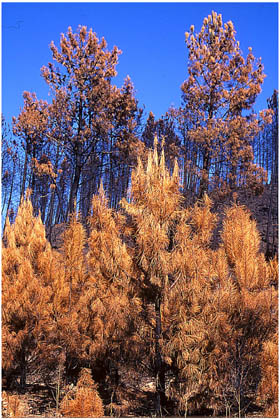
{"x": 151, "y": 36}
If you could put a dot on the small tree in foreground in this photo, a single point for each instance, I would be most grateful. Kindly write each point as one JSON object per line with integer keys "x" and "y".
{"x": 153, "y": 209}
{"x": 27, "y": 275}
{"x": 68, "y": 287}
{"x": 84, "y": 400}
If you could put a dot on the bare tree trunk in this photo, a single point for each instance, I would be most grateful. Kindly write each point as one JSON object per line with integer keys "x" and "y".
{"x": 78, "y": 165}
{"x": 22, "y": 190}
{"x": 10, "y": 195}
{"x": 49, "y": 220}
{"x": 74, "y": 187}
{"x": 205, "y": 177}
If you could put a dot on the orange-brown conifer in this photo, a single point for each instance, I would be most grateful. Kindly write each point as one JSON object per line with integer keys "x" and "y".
{"x": 221, "y": 85}
{"x": 83, "y": 400}
{"x": 27, "y": 276}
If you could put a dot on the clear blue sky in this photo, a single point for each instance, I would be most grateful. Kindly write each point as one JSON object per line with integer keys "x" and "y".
{"x": 151, "y": 36}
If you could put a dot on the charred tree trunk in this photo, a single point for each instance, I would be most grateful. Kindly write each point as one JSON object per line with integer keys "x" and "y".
{"x": 22, "y": 190}
{"x": 74, "y": 187}
{"x": 205, "y": 176}
{"x": 78, "y": 149}
{"x": 10, "y": 195}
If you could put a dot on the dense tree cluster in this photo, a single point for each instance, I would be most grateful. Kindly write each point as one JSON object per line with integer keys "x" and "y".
{"x": 145, "y": 289}
{"x": 87, "y": 133}
{"x": 137, "y": 282}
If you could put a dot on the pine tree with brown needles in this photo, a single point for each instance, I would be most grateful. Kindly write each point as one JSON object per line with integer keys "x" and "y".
{"x": 83, "y": 400}
{"x": 68, "y": 287}
{"x": 268, "y": 387}
{"x": 27, "y": 275}
{"x": 219, "y": 313}
{"x": 94, "y": 305}
{"x": 251, "y": 312}
{"x": 109, "y": 307}
{"x": 98, "y": 124}
{"x": 219, "y": 92}
{"x": 153, "y": 210}
{"x": 189, "y": 313}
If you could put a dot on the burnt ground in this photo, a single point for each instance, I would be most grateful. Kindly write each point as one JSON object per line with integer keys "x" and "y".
{"x": 134, "y": 397}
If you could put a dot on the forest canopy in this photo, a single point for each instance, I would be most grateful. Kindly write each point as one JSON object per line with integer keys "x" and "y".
{"x": 92, "y": 130}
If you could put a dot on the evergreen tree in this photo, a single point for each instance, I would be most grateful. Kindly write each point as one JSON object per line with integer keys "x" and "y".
{"x": 218, "y": 97}
{"x": 94, "y": 110}
{"x": 153, "y": 210}
{"x": 84, "y": 401}
{"x": 28, "y": 273}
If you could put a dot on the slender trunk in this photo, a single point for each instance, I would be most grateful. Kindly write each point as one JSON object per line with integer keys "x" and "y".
{"x": 193, "y": 176}
{"x": 4, "y": 203}
{"x": 186, "y": 174}
{"x": 91, "y": 189}
{"x": 159, "y": 367}
{"x": 33, "y": 172}
{"x": 232, "y": 182}
{"x": 124, "y": 182}
{"x": 100, "y": 173}
{"x": 57, "y": 216}
{"x": 51, "y": 206}
{"x": 269, "y": 252}
{"x": 204, "y": 182}
{"x": 43, "y": 205}
{"x": 187, "y": 171}
{"x": 10, "y": 196}
{"x": 24, "y": 175}
{"x": 49, "y": 220}
{"x": 78, "y": 164}
{"x": 74, "y": 188}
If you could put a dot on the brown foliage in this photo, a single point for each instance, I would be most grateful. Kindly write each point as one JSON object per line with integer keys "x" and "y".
{"x": 221, "y": 312}
{"x": 31, "y": 126}
{"x": 268, "y": 387}
{"x": 84, "y": 400}
{"x": 12, "y": 406}
{"x": 68, "y": 286}
{"x": 92, "y": 120}
{"x": 27, "y": 275}
{"x": 221, "y": 84}
{"x": 146, "y": 290}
